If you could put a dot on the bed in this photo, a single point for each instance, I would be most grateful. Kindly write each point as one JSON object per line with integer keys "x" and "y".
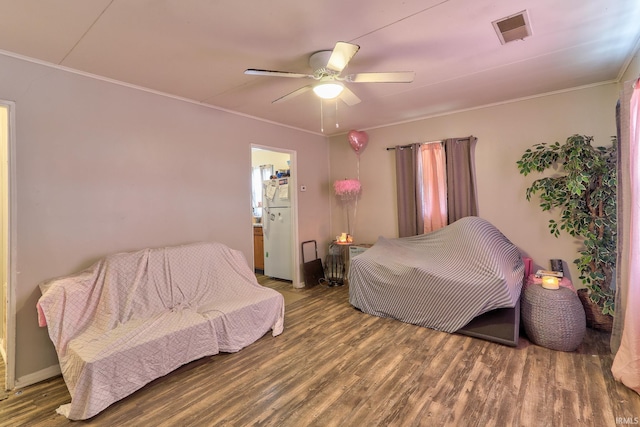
{"x": 464, "y": 278}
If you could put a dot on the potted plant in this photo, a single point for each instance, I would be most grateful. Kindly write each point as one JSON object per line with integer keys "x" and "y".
{"x": 584, "y": 189}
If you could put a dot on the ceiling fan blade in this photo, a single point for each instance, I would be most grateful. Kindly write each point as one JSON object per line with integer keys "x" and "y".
{"x": 292, "y": 94}
{"x": 256, "y": 72}
{"x": 393, "y": 77}
{"x": 349, "y": 97}
{"x": 341, "y": 55}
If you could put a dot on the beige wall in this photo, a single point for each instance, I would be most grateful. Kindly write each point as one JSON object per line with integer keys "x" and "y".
{"x": 633, "y": 70}
{"x": 103, "y": 168}
{"x": 504, "y": 132}
{"x": 266, "y": 157}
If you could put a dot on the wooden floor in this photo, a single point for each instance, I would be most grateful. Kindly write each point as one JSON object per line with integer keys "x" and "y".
{"x": 335, "y": 366}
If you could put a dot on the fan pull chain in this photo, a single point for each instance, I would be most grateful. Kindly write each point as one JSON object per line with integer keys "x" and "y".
{"x": 337, "y": 124}
{"x": 321, "y": 118}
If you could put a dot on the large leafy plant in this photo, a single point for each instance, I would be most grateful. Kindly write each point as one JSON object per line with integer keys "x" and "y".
{"x": 584, "y": 189}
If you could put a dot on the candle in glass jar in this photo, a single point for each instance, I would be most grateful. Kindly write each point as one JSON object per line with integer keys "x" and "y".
{"x": 550, "y": 282}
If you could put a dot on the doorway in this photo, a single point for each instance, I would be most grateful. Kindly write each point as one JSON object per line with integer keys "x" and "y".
{"x": 267, "y": 162}
{"x": 7, "y": 307}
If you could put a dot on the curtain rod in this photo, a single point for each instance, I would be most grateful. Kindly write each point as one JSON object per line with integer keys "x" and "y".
{"x": 409, "y": 145}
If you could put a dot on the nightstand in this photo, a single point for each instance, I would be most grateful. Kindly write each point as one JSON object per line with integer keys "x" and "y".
{"x": 553, "y": 318}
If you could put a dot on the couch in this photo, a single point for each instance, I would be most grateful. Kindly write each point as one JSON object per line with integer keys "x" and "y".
{"x": 133, "y": 317}
{"x": 443, "y": 280}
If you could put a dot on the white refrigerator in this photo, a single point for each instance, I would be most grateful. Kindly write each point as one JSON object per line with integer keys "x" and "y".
{"x": 276, "y": 228}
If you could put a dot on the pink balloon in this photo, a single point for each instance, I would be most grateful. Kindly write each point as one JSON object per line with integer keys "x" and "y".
{"x": 358, "y": 140}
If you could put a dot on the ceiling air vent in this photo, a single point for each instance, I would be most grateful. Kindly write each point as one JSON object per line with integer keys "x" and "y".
{"x": 514, "y": 27}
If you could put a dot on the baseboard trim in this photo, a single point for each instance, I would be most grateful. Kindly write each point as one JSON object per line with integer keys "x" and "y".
{"x": 36, "y": 377}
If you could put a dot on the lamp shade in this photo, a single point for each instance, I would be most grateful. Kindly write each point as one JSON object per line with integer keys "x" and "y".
{"x": 328, "y": 90}
{"x": 347, "y": 188}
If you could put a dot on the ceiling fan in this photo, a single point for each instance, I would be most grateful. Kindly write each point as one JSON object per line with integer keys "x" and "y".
{"x": 327, "y": 66}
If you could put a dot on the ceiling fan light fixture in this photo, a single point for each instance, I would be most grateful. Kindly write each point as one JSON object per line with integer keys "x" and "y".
{"x": 329, "y": 90}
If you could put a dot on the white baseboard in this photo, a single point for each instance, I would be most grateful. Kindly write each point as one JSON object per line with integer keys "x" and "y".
{"x": 36, "y": 377}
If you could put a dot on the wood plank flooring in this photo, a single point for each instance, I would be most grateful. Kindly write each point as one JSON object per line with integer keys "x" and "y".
{"x": 335, "y": 366}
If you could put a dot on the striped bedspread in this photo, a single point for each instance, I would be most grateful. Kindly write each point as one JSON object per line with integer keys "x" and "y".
{"x": 440, "y": 280}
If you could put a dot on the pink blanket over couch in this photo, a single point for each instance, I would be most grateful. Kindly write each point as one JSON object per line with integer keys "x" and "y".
{"x": 133, "y": 317}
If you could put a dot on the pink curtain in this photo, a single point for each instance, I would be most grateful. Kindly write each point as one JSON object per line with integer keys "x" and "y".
{"x": 434, "y": 186}
{"x": 626, "y": 365}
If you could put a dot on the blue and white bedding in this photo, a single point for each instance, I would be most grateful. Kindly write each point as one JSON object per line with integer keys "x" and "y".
{"x": 440, "y": 280}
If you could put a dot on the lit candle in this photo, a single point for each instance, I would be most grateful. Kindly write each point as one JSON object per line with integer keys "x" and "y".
{"x": 343, "y": 237}
{"x": 550, "y": 282}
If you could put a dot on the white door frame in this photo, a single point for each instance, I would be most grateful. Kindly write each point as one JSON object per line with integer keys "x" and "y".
{"x": 293, "y": 167}
{"x": 10, "y": 308}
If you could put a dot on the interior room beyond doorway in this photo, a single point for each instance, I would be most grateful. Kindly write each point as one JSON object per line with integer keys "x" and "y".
{"x": 272, "y": 252}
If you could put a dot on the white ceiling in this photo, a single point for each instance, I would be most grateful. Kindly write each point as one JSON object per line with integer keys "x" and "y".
{"x": 199, "y": 49}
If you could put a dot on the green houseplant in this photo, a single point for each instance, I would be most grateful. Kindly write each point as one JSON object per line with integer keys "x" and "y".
{"x": 584, "y": 189}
